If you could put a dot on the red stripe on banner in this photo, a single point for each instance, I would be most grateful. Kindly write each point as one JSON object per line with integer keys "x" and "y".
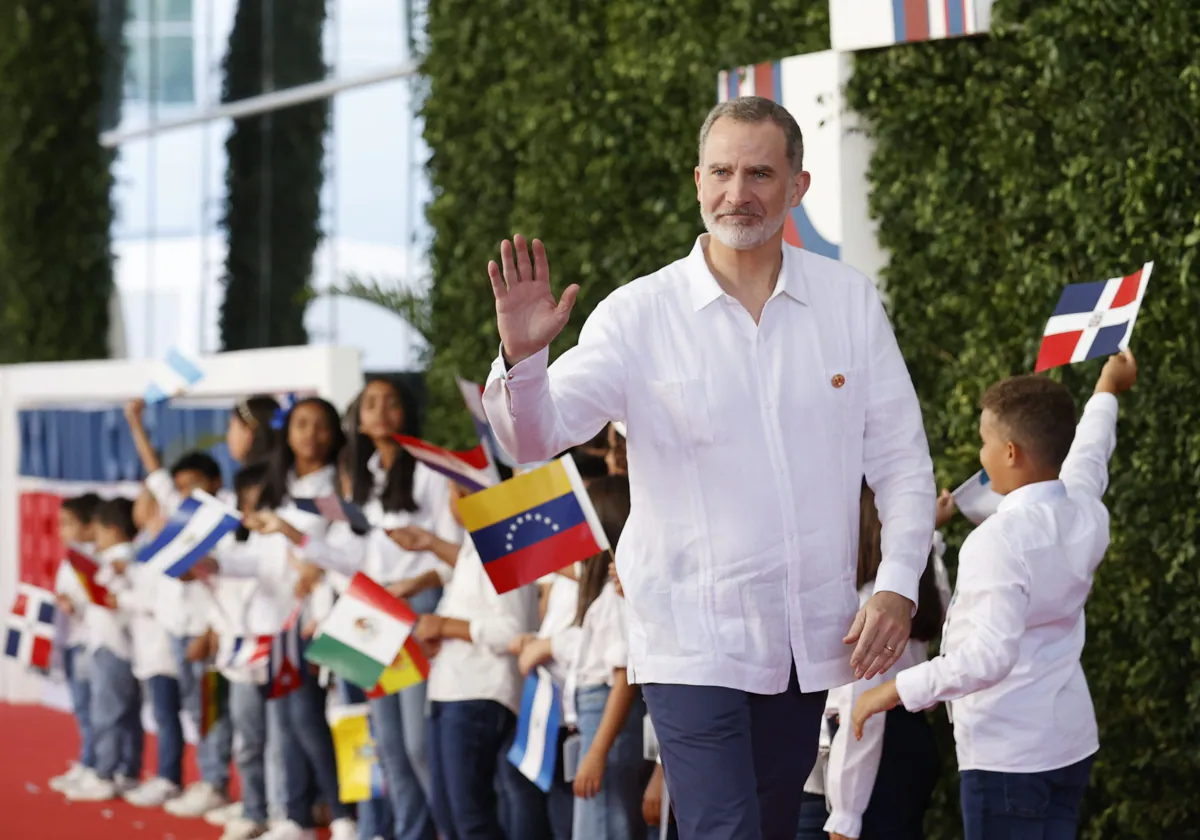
{"x": 790, "y": 235}
{"x": 41, "y": 549}
{"x": 764, "y": 81}
{"x": 1056, "y": 350}
{"x": 1129, "y": 290}
{"x": 916, "y": 20}
{"x": 549, "y": 555}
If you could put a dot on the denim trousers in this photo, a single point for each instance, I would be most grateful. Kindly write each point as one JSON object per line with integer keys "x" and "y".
{"x": 213, "y": 752}
{"x": 116, "y": 713}
{"x": 164, "y": 700}
{"x": 1024, "y": 806}
{"x": 77, "y": 667}
{"x": 615, "y": 813}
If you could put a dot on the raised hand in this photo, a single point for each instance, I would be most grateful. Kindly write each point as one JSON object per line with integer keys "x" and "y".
{"x": 1119, "y": 374}
{"x": 526, "y": 312}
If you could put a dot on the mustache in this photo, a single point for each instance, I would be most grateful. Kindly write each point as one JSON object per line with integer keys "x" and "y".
{"x": 741, "y": 211}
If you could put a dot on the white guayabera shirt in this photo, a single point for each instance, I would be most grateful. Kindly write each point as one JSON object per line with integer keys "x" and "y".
{"x": 747, "y": 445}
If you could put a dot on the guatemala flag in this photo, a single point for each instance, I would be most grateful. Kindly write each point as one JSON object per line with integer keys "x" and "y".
{"x": 175, "y": 375}
{"x": 1093, "y": 320}
{"x": 535, "y": 749}
{"x": 191, "y": 533}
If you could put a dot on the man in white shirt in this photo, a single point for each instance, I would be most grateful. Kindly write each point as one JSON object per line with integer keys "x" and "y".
{"x": 1024, "y": 727}
{"x": 758, "y": 384}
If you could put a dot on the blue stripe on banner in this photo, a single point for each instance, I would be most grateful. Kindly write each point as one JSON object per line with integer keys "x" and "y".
{"x": 777, "y": 82}
{"x": 813, "y": 241}
{"x": 901, "y": 28}
{"x": 954, "y": 17}
{"x": 1080, "y": 297}
{"x": 528, "y": 528}
{"x": 735, "y": 82}
{"x": 12, "y": 644}
{"x": 1107, "y": 341}
{"x": 182, "y": 365}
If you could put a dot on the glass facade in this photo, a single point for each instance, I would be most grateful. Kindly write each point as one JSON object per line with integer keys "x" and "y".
{"x": 170, "y": 182}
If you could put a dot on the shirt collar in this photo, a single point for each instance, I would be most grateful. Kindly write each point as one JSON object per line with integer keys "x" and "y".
{"x": 378, "y": 474}
{"x": 323, "y": 482}
{"x": 1031, "y": 494}
{"x": 120, "y": 551}
{"x": 703, "y": 287}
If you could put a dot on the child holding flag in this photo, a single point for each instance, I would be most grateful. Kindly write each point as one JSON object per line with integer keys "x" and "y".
{"x": 1024, "y": 725}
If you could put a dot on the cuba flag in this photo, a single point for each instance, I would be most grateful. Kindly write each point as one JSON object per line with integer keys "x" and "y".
{"x": 191, "y": 533}
{"x": 533, "y": 524}
{"x": 535, "y": 749}
{"x": 1093, "y": 320}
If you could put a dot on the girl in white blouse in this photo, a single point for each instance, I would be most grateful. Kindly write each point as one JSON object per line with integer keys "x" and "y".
{"x": 880, "y": 787}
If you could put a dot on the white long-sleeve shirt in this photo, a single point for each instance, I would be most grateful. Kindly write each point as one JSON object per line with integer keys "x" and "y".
{"x": 481, "y": 669}
{"x": 257, "y": 574}
{"x": 601, "y": 647}
{"x": 747, "y": 446}
{"x": 558, "y": 625}
{"x": 1015, "y": 630}
{"x": 153, "y": 653}
{"x": 108, "y": 628}
{"x": 67, "y": 584}
{"x": 853, "y": 764}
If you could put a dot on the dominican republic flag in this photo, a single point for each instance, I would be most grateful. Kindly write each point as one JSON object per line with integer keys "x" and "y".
{"x": 472, "y": 394}
{"x": 533, "y": 524}
{"x": 535, "y": 749}
{"x": 85, "y": 569}
{"x": 1093, "y": 320}
{"x": 364, "y": 633}
{"x": 191, "y": 533}
{"x": 173, "y": 376}
{"x": 244, "y": 652}
{"x": 30, "y": 635}
{"x": 336, "y": 509}
{"x": 474, "y": 470}
{"x": 285, "y": 660}
{"x": 976, "y": 499}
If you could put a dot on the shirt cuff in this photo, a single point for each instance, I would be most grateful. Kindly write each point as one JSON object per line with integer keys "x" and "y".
{"x": 844, "y": 823}
{"x": 913, "y": 687}
{"x": 532, "y": 368}
{"x": 896, "y": 576}
{"x": 444, "y": 572}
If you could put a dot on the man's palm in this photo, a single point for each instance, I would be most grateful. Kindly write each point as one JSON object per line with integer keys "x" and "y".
{"x": 526, "y": 313}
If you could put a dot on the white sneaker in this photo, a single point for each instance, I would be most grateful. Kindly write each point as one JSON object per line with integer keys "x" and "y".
{"x": 124, "y": 783}
{"x": 243, "y": 829}
{"x": 91, "y": 788}
{"x": 289, "y": 831}
{"x": 68, "y": 779}
{"x": 343, "y": 829}
{"x": 197, "y": 800}
{"x": 153, "y": 793}
{"x": 224, "y": 816}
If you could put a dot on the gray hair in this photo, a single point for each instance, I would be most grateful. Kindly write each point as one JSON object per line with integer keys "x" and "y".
{"x": 756, "y": 109}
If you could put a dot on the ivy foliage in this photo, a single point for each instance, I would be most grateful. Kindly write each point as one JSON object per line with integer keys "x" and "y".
{"x": 55, "y": 264}
{"x": 274, "y": 174}
{"x": 1061, "y": 149}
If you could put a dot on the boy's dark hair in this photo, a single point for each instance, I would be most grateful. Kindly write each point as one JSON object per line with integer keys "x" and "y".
{"x": 590, "y": 466}
{"x": 117, "y": 513}
{"x": 200, "y": 462}
{"x": 1037, "y": 413}
{"x": 82, "y": 507}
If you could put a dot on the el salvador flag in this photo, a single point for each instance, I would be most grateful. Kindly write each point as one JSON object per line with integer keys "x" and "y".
{"x": 176, "y": 374}
{"x": 535, "y": 749}
{"x": 190, "y": 535}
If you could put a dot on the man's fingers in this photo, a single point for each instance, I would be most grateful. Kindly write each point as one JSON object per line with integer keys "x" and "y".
{"x": 856, "y": 628}
{"x": 524, "y": 266}
{"x": 541, "y": 266}
{"x": 885, "y": 656}
{"x": 498, "y": 287}
{"x": 866, "y": 640}
{"x": 508, "y": 263}
{"x": 567, "y": 302}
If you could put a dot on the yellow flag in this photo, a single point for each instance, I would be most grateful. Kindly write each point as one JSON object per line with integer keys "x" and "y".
{"x": 359, "y": 775}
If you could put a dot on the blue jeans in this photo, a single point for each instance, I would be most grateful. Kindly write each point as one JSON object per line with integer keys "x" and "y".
{"x": 116, "y": 712}
{"x": 374, "y": 814}
{"x": 616, "y": 811}
{"x": 311, "y": 767}
{"x": 1023, "y": 806}
{"x": 465, "y": 742}
{"x": 529, "y": 812}
{"x": 164, "y": 699}
{"x": 213, "y": 752}
{"x": 75, "y": 663}
{"x": 735, "y": 762}
{"x": 401, "y": 734}
{"x": 275, "y": 765}
{"x": 248, "y": 715}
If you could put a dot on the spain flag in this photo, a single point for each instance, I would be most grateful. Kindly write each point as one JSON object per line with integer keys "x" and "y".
{"x": 410, "y": 668}
{"x": 533, "y": 524}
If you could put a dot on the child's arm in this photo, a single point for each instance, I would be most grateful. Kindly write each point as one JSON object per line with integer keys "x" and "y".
{"x": 412, "y": 538}
{"x": 992, "y": 599}
{"x": 158, "y": 482}
{"x": 1085, "y": 471}
{"x": 493, "y": 628}
{"x": 590, "y": 775}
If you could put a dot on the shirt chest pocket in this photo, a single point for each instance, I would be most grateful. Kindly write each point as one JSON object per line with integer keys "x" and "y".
{"x": 847, "y": 399}
{"x": 677, "y": 412}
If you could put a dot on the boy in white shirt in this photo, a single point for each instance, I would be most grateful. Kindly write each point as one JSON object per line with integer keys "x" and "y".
{"x": 1024, "y": 726}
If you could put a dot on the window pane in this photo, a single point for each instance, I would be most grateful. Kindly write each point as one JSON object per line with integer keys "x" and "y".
{"x": 176, "y": 70}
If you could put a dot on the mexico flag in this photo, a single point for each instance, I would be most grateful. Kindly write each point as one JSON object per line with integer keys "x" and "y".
{"x": 363, "y": 634}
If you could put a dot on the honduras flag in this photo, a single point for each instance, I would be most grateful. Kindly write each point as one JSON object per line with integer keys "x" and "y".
{"x": 175, "y": 374}
{"x": 976, "y": 499}
{"x": 190, "y": 535}
{"x": 535, "y": 749}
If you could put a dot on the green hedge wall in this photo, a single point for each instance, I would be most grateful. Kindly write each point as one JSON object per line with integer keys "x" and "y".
{"x": 1063, "y": 149}
{"x": 55, "y": 264}
{"x": 1060, "y": 149}
{"x": 272, "y": 212}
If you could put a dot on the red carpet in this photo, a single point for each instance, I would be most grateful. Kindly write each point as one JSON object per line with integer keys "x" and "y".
{"x": 38, "y": 744}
